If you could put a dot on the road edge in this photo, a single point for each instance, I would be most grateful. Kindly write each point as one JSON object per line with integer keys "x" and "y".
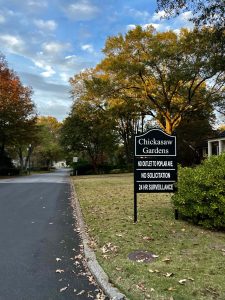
{"x": 92, "y": 263}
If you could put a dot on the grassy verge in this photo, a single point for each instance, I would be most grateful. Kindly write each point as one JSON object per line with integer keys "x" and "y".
{"x": 191, "y": 260}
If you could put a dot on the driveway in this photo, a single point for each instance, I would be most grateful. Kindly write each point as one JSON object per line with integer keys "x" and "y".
{"x": 40, "y": 250}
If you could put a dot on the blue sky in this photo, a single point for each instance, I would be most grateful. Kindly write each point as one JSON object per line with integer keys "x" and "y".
{"x": 47, "y": 42}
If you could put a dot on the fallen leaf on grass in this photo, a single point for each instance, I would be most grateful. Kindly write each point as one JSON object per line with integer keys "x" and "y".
{"x": 147, "y": 238}
{"x": 168, "y": 274}
{"x": 63, "y": 289}
{"x": 190, "y": 278}
{"x": 109, "y": 247}
{"x": 171, "y": 289}
{"x": 166, "y": 260}
{"x": 119, "y": 235}
{"x": 141, "y": 287}
{"x": 153, "y": 271}
{"x": 182, "y": 281}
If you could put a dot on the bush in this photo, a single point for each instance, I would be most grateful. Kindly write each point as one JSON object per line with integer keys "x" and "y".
{"x": 201, "y": 193}
{"x": 82, "y": 167}
{"x": 9, "y": 172}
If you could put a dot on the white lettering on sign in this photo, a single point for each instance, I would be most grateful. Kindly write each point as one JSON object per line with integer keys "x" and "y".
{"x": 147, "y": 150}
{"x": 154, "y": 142}
{"x": 155, "y": 187}
{"x": 152, "y": 163}
{"x": 155, "y": 175}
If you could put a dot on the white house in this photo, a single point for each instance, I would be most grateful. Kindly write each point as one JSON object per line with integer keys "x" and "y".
{"x": 60, "y": 164}
{"x": 216, "y": 145}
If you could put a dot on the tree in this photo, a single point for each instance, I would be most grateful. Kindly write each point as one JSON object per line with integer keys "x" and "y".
{"x": 192, "y": 134}
{"x": 169, "y": 71}
{"x": 205, "y": 12}
{"x": 126, "y": 113}
{"x": 88, "y": 130}
{"x": 48, "y": 148}
{"x": 17, "y": 111}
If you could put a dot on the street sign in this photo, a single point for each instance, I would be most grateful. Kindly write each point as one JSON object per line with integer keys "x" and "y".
{"x": 155, "y": 165}
{"x": 75, "y": 159}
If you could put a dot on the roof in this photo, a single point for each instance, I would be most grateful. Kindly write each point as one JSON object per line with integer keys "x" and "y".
{"x": 217, "y": 137}
{"x": 222, "y": 134}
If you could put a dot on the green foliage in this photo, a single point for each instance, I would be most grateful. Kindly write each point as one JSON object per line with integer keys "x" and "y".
{"x": 203, "y": 12}
{"x": 201, "y": 193}
{"x": 89, "y": 132}
{"x": 48, "y": 148}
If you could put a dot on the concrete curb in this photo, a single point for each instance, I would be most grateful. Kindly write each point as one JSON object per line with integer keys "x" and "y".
{"x": 92, "y": 263}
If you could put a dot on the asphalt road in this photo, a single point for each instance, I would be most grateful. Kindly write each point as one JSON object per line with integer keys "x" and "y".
{"x": 40, "y": 250}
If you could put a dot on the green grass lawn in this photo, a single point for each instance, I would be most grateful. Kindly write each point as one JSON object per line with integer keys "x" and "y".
{"x": 190, "y": 262}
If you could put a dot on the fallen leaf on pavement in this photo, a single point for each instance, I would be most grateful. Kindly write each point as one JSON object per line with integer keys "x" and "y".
{"x": 59, "y": 271}
{"x": 83, "y": 291}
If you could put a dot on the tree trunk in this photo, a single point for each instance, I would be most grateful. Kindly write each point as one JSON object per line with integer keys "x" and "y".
{"x": 20, "y": 152}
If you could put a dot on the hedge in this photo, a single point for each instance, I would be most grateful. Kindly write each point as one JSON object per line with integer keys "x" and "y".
{"x": 201, "y": 193}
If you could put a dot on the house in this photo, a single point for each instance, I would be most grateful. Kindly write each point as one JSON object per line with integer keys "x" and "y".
{"x": 60, "y": 164}
{"x": 216, "y": 145}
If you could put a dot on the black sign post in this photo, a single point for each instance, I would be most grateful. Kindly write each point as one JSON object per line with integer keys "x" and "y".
{"x": 155, "y": 164}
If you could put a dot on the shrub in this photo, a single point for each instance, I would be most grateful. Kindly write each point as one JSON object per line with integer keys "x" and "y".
{"x": 82, "y": 167}
{"x": 201, "y": 193}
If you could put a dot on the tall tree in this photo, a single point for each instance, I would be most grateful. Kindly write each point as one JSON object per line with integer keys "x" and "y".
{"x": 125, "y": 112}
{"x": 17, "y": 111}
{"x": 170, "y": 71}
{"x": 89, "y": 130}
{"x": 48, "y": 148}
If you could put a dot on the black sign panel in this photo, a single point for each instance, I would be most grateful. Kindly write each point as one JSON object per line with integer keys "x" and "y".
{"x": 155, "y": 166}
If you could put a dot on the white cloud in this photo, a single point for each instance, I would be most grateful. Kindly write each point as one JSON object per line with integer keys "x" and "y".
{"x": 49, "y": 72}
{"x": 87, "y": 47}
{"x": 46, "y": 25}
{"x": 2, "y": 19}
{"x": 157, "y": 16}
{"x": 64, "y": 77}
{"x": 82, "y": 10}
{"x": 70, "y": 57}
{"x": 14, "y": 43}
{"x": 143, "y": 15}
{"x": 55, "y": 47}
{"x": 186, "y": 15}
{"x": 131, "y": 26}
{"x": 37, "y": 4}
{"x": 157, "y": 26}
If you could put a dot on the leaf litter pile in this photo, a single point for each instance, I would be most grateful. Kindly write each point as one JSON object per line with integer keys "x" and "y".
{"x": 189, "y": 261}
